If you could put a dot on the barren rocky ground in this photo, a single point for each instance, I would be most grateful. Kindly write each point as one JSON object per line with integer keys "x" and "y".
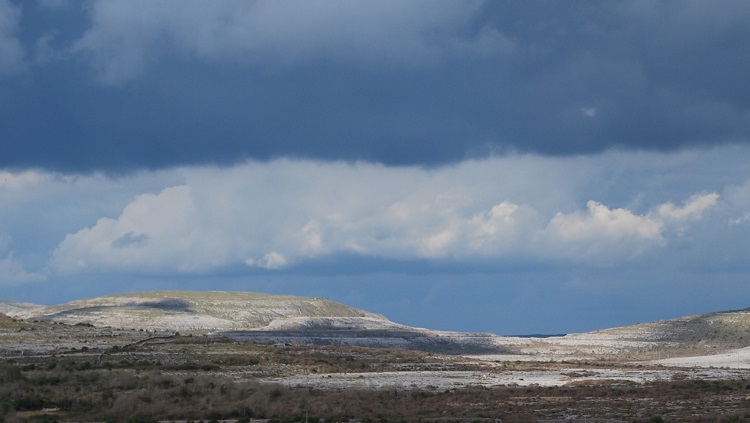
{"x": 311, "y": 357}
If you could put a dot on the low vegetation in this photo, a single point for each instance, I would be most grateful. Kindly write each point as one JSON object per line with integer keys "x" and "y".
{"x": 64, "y": 372}
{"x": 68, "y": 389}
{"x": 157, "y": 377}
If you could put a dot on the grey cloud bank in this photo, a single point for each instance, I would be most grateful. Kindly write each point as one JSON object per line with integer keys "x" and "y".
{"x": 116, "y": 86}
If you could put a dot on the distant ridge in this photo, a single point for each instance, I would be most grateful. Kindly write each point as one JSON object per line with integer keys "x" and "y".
{"x": 252, "y": 316}
{"x": 201, "y": 310}
{"x": 724, "y": 328}
{"x": 309, "y": 320}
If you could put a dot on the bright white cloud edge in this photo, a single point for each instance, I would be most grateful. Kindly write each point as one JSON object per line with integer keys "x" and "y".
{"x": 278, "y": 214}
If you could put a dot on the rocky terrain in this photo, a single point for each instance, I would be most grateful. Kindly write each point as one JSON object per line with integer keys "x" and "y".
{"x": 259, "y": 317}
{"x": 251, "y": 316}
{"x": 185, "y": 310}
{"x": 236, "y": 356}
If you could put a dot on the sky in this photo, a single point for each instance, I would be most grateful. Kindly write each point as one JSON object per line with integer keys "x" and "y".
{"x": 487, "y": 166}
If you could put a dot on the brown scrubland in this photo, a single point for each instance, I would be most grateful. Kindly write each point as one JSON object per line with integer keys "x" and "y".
{"x": 138, "y": 376}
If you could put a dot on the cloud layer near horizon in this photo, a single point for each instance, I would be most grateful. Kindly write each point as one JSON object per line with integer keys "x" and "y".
{"x": 279, "y": 214}
{"x": 604, "y": 210}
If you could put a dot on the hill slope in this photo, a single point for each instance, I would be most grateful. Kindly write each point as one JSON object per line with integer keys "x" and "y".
{"x": 252, "y": 316}
{"x": 292, "y": 319}
{"x": 185, "y": 310}
{"x": 706, "y": 334}
{"x": 719, "y": 327}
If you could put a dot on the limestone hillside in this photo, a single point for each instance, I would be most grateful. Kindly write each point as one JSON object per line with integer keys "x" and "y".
{"x": 725, "y": 326}
{"x": 187, "y": 310}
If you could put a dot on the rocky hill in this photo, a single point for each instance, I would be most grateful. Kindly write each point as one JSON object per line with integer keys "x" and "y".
{"x": 252, "y": 316}
{"x": 304, "y": 320}
{"x": 215, "y": 311}
{"x": 700, "y": 335}
{"x": 726, "y": 328}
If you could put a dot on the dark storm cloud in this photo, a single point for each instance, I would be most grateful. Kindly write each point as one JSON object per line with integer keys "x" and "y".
{"x": 226, "y": 81}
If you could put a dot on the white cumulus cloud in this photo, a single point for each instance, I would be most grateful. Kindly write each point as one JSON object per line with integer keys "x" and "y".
{"x": 610, "y": 234}
{"x": 599, "y": 232}
{"x": 277, "y": 214}
{"x": 154, "y": 231}
{"x": 692, "y": 209}
{"x": 602, "y": 222}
